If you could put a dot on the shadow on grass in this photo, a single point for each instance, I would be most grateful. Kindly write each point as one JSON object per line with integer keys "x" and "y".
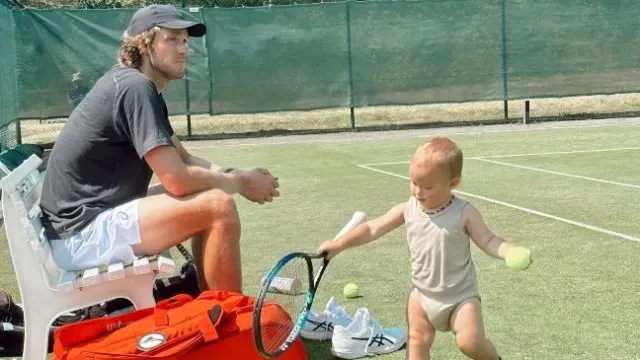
{"x": 317, "y": 350}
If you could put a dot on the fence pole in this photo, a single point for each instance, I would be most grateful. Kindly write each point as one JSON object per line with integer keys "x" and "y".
{"x": 18, "y": 133}
{"x": 526, "y": 112}
{"x": 186, "y": 88}
{"x": 350, "y": 66}
{"x": 207, "y": 47}
{"x": 505, "y": 93}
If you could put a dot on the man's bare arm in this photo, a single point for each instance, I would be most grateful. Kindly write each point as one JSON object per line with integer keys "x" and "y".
{"x": 180, "y": 178}
{"x": 191, "y": 159}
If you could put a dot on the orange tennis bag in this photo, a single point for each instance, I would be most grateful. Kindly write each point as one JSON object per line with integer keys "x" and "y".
{"x": 215, "y": 325}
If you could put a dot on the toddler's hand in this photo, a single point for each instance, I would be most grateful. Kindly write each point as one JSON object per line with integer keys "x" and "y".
{"x": 518, "y": 258}
{"x": 330, "y": 247}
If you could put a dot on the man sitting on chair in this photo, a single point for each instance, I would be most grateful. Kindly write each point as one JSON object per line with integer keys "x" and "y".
{"x": 96, "y": 203}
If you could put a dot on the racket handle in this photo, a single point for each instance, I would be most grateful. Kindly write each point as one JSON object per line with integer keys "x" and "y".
{"x": 357, "y": 218}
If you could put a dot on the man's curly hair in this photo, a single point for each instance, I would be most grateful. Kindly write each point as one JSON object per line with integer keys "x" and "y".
{"x": 130, "y": 53}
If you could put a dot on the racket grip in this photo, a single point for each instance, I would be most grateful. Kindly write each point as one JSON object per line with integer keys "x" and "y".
{"x": 357, "y": 218}
{"x": 285, "y": 285}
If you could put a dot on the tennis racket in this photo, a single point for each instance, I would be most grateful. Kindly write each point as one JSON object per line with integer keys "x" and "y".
{"x": 291, "y": 284}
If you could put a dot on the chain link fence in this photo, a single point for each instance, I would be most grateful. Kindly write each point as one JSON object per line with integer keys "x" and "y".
{"x": 338, "y": 66}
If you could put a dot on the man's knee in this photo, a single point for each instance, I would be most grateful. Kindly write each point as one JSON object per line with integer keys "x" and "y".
{"x": 222, "y": 205}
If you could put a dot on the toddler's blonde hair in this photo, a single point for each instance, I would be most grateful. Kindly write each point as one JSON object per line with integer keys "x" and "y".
{"x": 441, "y": 151}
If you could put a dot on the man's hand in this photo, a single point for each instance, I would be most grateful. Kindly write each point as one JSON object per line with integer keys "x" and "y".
{"x": 258, "y": 185}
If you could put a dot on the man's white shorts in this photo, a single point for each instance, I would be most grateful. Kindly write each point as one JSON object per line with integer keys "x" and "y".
{"x": 107, "y": 239}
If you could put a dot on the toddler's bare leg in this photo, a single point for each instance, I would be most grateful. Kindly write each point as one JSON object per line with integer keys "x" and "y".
{"x": 421, "y": 331}
{"x": 468, "y": 328}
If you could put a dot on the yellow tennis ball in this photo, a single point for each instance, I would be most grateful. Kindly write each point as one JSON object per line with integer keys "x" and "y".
{"x": 350, "y": 291}
{"x": 518, "y": 258}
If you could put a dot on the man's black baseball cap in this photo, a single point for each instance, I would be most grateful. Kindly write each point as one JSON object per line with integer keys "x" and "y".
{"x": 164, "y": 16}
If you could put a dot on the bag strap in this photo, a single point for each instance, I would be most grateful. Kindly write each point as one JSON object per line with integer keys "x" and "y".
{"x": 232, "y": 301}
{"x": 207, "y": 332}
{"x": 160, "y": 311}
{"x": 210, "y": 320}
{"x": 175, "y": 352}
{"x": 185, "y": 253}
{"x": 73, "y": 334}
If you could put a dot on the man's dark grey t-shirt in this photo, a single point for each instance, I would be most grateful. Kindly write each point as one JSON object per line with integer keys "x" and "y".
{"x": 97, "y": 161}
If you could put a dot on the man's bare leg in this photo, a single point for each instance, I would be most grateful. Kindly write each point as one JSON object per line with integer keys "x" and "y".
{"x": 217, "y": 257}
{"x": 166, "y": 221}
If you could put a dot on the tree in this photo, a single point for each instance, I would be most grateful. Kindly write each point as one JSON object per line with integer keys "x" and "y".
{"x": 105, "y": 4}
{"x": 90, "y": 4}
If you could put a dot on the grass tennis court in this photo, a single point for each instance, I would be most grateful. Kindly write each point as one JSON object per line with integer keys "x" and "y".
{"x": 570, "y": 194}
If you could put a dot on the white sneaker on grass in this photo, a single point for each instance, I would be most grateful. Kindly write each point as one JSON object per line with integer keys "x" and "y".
{"x": 319, "y": 326}
{"x": 365, "y": 337}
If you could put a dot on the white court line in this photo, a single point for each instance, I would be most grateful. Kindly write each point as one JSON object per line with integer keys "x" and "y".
{"x": 386, "y": 163}
{"x": 524, "y": 209}
{"x": 560, "y": 173}
{"x": 490, "y": 131}
{"x": 553, "y": 153}
{"x": 519, "y": 155}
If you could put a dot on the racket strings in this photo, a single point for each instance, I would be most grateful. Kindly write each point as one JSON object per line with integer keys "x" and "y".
{"x": 284, "y": 303}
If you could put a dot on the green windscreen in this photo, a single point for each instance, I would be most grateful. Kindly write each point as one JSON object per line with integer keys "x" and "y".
{"x": 572, "y": 47}
{"x": 60, "y": 46}
{"x": 426, "y": 52}
{"x": 278, "y": 58}
{"x": 8, "y": 93}
{"x": 263, "y": 62}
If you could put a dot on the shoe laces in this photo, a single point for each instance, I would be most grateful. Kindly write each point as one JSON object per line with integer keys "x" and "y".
{"x": 325, "y": 330}
{"x": 375, "y": 328}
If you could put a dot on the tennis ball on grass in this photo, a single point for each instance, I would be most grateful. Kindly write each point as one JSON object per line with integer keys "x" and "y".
{"x": 518, "y": 258}
{"x": 350, "y": 291}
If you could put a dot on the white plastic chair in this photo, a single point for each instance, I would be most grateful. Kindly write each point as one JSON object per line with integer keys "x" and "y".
{"x": 48, "y": 291}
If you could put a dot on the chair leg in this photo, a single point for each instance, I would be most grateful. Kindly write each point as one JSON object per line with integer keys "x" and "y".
{"x": 143, "y": 298}
{"x": 36, "y": 335}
